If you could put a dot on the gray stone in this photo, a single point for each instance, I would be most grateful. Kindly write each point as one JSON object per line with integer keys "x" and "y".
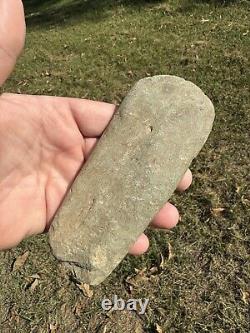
{"x": 149, "y": 144}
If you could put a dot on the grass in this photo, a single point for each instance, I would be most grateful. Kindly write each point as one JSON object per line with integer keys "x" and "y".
{"x": 197, "y": 275}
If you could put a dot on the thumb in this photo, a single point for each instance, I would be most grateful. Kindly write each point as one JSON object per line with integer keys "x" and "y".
{"x": 12, "y": 35}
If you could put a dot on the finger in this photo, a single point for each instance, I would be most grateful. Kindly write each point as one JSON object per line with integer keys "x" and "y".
{"x": 12, "y": 35}
{"x": 140, "y": 246}
{"x": 186, "y": 181}
{"x": 92, "y": 117}
{"x": 166, "y": 218}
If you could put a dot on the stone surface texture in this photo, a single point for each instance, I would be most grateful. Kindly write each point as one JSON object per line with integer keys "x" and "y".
{"x": 150, "y": 142}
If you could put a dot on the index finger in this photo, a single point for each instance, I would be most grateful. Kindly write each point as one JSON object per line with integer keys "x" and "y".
{"x": 12, "y": 35}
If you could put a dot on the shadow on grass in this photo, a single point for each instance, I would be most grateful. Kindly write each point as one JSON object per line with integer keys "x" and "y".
{"x": 188, "y": 5}
{"x": 55, "y": 12}
{"x": 216, "y": 2}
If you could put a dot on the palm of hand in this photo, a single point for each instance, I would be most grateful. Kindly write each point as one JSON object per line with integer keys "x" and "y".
{"x": 42, "y": 147}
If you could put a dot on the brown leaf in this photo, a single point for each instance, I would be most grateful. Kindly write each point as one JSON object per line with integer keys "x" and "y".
{"x": 85, "y": 288}
{"x": 53, "y": 328}
{"x": 218, "y": 210}
{"x": 162, "y": 263}
{"x": 170, "y": 251}
{"x": 203, "y": 20}
{"x": 238, "y": 189}
{"x": 140, "y": 276}
{"x": 130, "y": 287}
{"x": 140, "y": 272}
{"x": 104, "y": 329}
{"x": 79, "y": 308}
{"x": 138, "y": 329}
{"x": 20, "y": 261}
{"x": 130, "y": 281}
{"x": 35, "y": 276}
{"x": 158, "y": 328}
{"x": 245, "y": 296}
{"x": 34, "y": 284}
{"x": 63, "y": 308}
{"x": 153, "y": 270}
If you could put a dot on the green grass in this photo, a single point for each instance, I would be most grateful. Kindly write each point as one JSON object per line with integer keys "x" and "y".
{"x": 97, "y": 50}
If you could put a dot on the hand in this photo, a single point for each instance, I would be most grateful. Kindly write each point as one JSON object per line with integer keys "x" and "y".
{"x": 44, "y": 141}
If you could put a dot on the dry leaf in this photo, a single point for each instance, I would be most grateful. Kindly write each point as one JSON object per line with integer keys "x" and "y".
{"x": 200, "y": 42}
{"x": 35, "y": 276}
{"x": 20, "y": 261}
{"x": 140, "y": 272}
{"x": 158, "y": 328}
{"x": 217, "y": 211}
{"x": 34, "y": 284}
{"x": 245, "y": 296}
{"x": 130, "y": 287}
{"x": 170, "y": 251}
{"x": 238, "y": 189}
{"x": 138, "y": 329}
{"x": 204, "y": 20}
{"x": 130, "y": 281}
{"x": 63, "y": 309}
{"x": 135, "y": 280}
{"x": 79, "y": 308}
{"x": 153, "y": 269}
{"x": 162, "y": 263}
{"x": 85, "y": 288}
{"x": 104, "y": 329}
{"x": 53, "y": 328}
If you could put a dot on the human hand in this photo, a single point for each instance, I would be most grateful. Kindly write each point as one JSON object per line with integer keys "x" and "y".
{"x": 44, "y": 141}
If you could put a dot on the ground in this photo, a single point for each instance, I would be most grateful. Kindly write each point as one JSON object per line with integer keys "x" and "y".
{"x": 197, "y": 275}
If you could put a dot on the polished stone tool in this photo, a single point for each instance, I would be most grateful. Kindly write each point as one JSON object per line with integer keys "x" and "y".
{"x": 150, "y": 142}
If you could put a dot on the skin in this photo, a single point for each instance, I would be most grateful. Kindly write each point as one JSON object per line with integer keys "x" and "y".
{"x": 44, "y": 141}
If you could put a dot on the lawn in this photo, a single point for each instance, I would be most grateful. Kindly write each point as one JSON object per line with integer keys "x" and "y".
{"x": 196, "y": 275}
